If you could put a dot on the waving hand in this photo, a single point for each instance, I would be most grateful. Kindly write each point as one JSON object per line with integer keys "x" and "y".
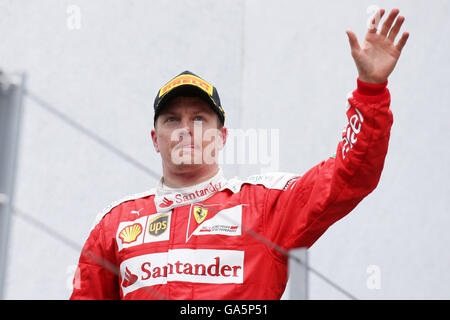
{"x": 376, "y": 58}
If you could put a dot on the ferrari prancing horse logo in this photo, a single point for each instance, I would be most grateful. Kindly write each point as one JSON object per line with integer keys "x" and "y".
{"x": 200, "y": 214}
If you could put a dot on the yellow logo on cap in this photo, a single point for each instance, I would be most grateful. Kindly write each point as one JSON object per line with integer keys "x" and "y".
{"x": 186, "y": 79}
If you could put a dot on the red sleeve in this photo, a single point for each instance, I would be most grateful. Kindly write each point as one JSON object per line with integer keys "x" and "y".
{"x": 96, "y": 277}
{"x": 300, "y": 213}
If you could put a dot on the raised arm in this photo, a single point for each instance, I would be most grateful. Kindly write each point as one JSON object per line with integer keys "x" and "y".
{"x": 298, "y": 214}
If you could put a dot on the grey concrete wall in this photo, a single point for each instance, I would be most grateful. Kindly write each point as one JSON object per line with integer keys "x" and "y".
{"x": 282, "y": 65}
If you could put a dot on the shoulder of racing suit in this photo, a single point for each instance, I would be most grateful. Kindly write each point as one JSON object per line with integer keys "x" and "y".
{"x": 117, "y": 203}
{"x": 270, "y": 180}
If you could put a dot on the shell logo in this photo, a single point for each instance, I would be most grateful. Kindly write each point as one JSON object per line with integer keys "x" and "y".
{"x": 130, "y": 233}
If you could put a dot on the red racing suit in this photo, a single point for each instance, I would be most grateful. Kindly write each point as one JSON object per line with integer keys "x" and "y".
{"x": 218, "y": 239}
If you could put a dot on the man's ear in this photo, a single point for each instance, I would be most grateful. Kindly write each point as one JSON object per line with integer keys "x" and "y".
{"x": 155, "y": 140}
{"x": 224, "y": 134}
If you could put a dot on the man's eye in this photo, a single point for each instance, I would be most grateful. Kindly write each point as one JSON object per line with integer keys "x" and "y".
{"x": 198, "y": 118}
{"x": 171, "y": 119}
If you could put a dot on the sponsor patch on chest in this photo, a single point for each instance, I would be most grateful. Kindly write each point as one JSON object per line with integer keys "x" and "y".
{"x": 213, "y": 220}
{"x": 185, "y": 265}
{"x": 146, "y": 229}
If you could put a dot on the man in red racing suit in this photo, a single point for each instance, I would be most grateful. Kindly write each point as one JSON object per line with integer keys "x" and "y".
{"x": 226, "y": 238}
{"x": 193, "y": 243}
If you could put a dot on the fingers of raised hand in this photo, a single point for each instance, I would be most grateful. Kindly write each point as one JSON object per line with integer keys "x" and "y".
{"x": 353, "y": 40}
{"x": 389, "y": 21}
{"x": 401, "y": 43}
{"x": 391, "y": 32}
{"x": 396, "y": 28}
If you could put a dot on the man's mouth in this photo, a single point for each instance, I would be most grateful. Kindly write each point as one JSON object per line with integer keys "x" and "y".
{"x": 187, "y": 147}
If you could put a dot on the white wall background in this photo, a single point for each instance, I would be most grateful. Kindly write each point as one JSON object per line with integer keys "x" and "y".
{"x": 278, "y": 65}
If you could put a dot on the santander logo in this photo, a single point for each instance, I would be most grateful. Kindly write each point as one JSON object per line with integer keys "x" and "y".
{"x": 198, "y": 193}
{"x": 129, "y": 279}
{"x": 182, "y": 265}
{"x": 350, "y": 134}
{"x": 188, "y": 197}
{"x": 165, "y": 203}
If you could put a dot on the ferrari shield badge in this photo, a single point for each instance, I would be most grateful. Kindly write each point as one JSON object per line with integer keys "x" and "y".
{"x": 200, "y": 214}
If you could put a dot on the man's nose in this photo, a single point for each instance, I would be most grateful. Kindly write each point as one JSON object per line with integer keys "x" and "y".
{"x": 186, "y": 128}
{"x": 190, "y": 126}
{"x": 190, "y": 129}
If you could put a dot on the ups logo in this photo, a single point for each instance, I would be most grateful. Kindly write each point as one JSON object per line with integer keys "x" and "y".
{"x": 158, "y": 225}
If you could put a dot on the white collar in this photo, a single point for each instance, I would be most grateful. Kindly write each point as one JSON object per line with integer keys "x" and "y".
{"x": 167, "y": 198}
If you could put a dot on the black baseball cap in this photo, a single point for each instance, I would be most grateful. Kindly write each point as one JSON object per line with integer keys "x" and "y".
{"x": 189, "y": 84}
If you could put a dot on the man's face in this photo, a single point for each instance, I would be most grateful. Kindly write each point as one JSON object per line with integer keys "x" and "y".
{"x": 188, "y": 133}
